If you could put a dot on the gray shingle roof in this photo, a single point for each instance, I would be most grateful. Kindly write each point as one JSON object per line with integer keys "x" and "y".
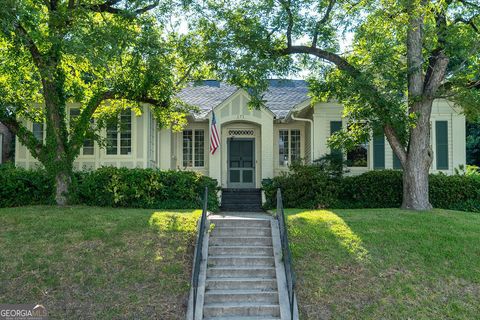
{"x": 280, "y": 98}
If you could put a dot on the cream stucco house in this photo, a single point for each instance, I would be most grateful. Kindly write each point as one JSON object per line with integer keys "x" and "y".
{"x": 254, "y": 144}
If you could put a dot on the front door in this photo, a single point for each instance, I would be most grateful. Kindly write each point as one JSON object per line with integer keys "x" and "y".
{"x": 241, "y": 163}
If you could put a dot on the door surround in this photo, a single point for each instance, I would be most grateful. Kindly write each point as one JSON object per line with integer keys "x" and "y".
{"x": 240, "y": 130}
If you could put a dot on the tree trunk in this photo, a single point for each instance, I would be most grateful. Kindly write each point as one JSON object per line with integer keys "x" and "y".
{"x": 418, "y": 160}
{"x": 62, "y": 184}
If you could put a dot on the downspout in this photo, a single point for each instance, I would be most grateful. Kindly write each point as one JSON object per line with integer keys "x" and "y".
{"x": 312, "y": 138}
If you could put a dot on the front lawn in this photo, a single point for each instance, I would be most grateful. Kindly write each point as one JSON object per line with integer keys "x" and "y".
{"x": 386, "y": 264}
{"x": 97, "y": 263}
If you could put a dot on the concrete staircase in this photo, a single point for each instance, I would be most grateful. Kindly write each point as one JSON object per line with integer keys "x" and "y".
{"x": 242, "y": 200}
{"x": 241, "y": 282}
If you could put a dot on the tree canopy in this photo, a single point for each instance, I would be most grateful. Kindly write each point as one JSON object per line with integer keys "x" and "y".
{"x": 103, "y": 55}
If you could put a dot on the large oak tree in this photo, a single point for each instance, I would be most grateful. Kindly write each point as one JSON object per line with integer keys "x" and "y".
{"x": 404, "y": 55}
{"x": 105, "y": 55}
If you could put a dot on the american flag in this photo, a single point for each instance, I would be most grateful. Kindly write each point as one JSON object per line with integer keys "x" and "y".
{"x": 214, "y": 137}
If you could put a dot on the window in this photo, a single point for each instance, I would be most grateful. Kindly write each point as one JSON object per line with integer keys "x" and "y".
{"x": 289, "y": 146}
{"x": 194, "y": 148}
{"x": 358, "y": 156}
{"x": 119, "y": 135}
{"x": 378, "y": 150}
{"x": 441, "y": 139}
{"x": 88, "y": 144}
{"x": 38, "y": 131}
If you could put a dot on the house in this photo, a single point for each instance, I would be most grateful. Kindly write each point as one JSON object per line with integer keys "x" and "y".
{"x": 254, "y": 144}
{"x": 5, "y": 143}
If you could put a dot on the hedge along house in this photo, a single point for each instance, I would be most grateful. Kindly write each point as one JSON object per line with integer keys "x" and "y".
{"x": 254, "y": 144}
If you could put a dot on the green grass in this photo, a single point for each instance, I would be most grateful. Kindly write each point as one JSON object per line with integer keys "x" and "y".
{"x": 97, "y": 263}
{"x": 386, "y": 264}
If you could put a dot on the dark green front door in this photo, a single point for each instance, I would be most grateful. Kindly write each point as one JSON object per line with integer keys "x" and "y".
{"x": 241, "y": 163}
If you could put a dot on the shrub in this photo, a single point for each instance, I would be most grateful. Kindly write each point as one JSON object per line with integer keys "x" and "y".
{"x": 306, "y": 187}
{"x": 145, "y": 188}
{"x": 111, "y": 187}
{"x": 20, "y": 187}
{"x": 373, "y": 189}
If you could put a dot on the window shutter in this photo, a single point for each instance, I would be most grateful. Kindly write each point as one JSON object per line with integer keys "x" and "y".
{"x": 441, "y": 134}
{"x": 396, "y": 162}
{"x": 379, "y": 151}
{"x": 334, "y": 127}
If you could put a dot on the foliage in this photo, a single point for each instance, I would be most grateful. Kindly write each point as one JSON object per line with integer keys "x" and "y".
{"x": 309, "y": 188}
{"x": 301, "y": 188}
{"x": 19, "y": 187}
{"x": 145, "y": 188}
{"x": 105, "y": 56}
{"x": 385, "y": 263}
{"x": 473, "y": 143}
{"x": 111, "y": 187}
{"x": 75, "y": 258}
{"x": 404, "y": 55}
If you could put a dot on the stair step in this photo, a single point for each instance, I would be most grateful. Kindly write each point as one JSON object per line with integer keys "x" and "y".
{"x": 241, "y": 250}
{"x": 247, "y": 222}
{"x": 241, "y": 208}
{"x": 238, "y": 272}
{"x": 241, "y": 241}
{"x": 241, "y": 309}
{"x": 224, "y": 260}
{"x": 241, "y": 231}
{"x": 242, "y": 318}
{"x": 246, "y": 283}
{"x": 242, "y": 296}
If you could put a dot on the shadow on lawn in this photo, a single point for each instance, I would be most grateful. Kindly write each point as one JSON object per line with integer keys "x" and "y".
{"x": 318, "y": 229}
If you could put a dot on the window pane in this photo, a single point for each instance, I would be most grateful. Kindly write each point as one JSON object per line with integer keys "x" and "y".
{"x": 75, "y": 112}
{"x": 38, "y": 131}
{"x": 199, "y": 148}
{"x": 126, "y": 132}
{"x": 283, "y": 147}
{"x": 295, "y": 145}
{"x": 112, "y": 139}
{"x": 441, "y": 134}
{"x": 187, "y": 148}
{"x": 357, "y": 157}
{"x": 88, "y": 147}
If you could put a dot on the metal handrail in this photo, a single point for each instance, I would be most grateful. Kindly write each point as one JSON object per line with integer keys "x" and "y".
{"x": 286, "y": 254}
{"x": 199, "y": 250}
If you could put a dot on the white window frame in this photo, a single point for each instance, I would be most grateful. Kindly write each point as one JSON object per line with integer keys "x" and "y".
{"x": 193, "y": 152}
{"x": 289, "y": 160}
{"x": 119, "y": 137}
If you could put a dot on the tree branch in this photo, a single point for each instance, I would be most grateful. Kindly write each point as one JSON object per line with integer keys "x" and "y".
{"x": 395, "y": 143}
{"x": 287, "y": 6}
{"x": 108, "y": 6}
{"x": 25, "y": 136}
{"x": 322, "y": 21}
{"x": 469, "y": 22}
{"x": 31, "y": 46}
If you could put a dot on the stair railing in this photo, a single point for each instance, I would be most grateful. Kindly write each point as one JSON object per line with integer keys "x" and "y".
{"x": 199, "y": 251}
{"x": 286, "y": 254}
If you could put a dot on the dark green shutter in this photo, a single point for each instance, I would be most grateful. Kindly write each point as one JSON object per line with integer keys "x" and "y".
{"x": 379, "y": 151}
{"x": 441, "y": 134}
{"x": 396, "y": 162}
{"x": 334, "y": 127}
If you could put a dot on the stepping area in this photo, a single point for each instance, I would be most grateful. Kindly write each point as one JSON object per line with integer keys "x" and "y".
{"x": 241, "y": 281}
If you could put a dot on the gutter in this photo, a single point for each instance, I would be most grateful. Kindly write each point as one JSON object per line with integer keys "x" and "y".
{"x": 312, "y": 137}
